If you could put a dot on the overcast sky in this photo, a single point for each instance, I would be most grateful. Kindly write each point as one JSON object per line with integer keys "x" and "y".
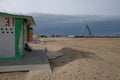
{"x": 71, "y": 7}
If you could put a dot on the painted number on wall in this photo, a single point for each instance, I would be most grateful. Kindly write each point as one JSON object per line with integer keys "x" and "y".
{"x": 9, "y": 22}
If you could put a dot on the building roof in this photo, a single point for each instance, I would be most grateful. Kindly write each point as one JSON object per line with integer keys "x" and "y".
{"x": 29, "y": 18}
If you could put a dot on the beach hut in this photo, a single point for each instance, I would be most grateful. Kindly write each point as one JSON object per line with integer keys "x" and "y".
{"x": 14, "y": 30}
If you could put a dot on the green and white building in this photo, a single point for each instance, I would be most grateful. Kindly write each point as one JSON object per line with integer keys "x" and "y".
{"x": 14, "y": 35}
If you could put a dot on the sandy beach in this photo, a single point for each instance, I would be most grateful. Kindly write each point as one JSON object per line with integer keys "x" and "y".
{"x": 83, "y": 59}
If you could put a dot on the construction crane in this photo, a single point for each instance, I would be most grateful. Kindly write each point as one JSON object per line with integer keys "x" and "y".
{"x": 83, "y": 28}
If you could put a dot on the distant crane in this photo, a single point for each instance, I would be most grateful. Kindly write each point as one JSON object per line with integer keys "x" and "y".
{"x": 83, "y": 28}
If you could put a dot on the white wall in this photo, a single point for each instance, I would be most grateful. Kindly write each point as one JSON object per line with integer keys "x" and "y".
{"x": 7, "y": 37}
{"x": 25, "y": 33}
{"x": 21, "y": 46}
{"x": 23, "y": 38}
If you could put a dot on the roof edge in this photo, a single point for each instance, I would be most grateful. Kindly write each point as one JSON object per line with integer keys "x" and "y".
{"x": 29, "y": 18}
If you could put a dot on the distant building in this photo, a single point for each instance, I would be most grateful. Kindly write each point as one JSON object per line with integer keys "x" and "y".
{"x": 71, "y": 36}
{"x": 14, "y": 32}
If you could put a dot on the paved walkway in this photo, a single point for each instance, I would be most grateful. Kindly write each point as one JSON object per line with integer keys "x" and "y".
{"x": 35, "y": 60}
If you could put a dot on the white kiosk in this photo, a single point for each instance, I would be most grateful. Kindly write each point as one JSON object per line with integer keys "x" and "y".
{"x": 14, "y": 35}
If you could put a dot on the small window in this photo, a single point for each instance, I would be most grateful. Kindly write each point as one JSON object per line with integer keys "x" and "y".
{"x": 3, "y": 32}
{"x": 6, "y": 29}
{"x": 1, "y": 28}
{"x": 12, "y": 32}
{"x": 11, "y": 29}
{"x": 7, "y": 32}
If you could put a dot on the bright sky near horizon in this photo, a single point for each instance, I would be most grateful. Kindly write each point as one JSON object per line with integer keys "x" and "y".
{"x": 67, "y": 7}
